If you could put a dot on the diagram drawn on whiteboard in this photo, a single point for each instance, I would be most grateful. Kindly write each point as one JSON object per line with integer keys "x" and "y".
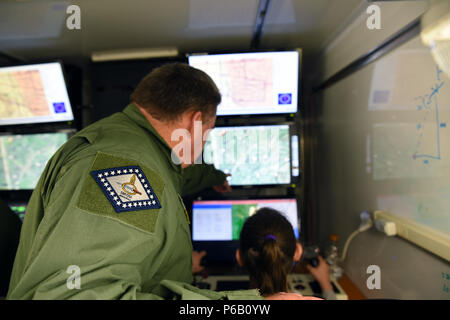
{"x": 430, "y": 125}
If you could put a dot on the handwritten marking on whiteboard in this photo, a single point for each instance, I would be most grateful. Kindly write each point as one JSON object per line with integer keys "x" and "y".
{"x": 445, "y": 287}
{"x": 427, "y": 104}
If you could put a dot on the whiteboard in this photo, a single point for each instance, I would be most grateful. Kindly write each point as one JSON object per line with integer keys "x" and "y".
{"x": 409, "y": 108}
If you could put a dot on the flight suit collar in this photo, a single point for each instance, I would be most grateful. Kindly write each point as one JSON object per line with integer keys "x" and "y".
{"x": 136, "y": 115}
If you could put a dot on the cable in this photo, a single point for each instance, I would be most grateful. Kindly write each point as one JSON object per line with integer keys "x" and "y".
{"x": 366, "y": 224}
{"x": 347, "y": 243}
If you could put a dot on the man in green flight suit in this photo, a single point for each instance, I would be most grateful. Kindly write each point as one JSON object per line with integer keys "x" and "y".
{"x": 106, "y": 220}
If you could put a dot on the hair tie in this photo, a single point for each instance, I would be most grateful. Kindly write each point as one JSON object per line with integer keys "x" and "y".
{"x": 270, "y": 236}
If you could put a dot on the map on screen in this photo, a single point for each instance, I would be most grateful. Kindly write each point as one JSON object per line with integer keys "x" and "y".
{"x": 33, "y": 94}
{"x": 223, "y": 220}
{"x": 23, "y": 158}
{"x": 253, "y": 83}
{"x": 253, "y": 155}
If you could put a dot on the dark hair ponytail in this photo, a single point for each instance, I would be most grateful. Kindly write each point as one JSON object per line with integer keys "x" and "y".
{"x": 273, "y": 270}
{"x": 267, "y": 246}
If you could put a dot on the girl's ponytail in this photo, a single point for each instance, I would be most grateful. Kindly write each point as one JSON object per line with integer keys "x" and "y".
{"x": 273, "y": 270}
{"x": 267, "y": 246}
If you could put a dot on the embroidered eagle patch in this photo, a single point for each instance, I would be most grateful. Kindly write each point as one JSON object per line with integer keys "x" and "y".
{"x": 127, "y": 188}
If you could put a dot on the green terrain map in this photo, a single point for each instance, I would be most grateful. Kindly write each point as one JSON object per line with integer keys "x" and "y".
{"x": 24, "y": 157}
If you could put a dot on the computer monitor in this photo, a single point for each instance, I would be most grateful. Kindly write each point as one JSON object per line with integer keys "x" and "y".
{"x": 253, "y": 83}
{"x": 34, "y": 93}
{"x": 222, "y": 220}
{"x": 217, "y": 224}
{"x": 254, "y": 155}
{"x": 23, "y": 158}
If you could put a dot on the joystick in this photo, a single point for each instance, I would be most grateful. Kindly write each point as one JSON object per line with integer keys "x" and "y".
{"x": 311, "y": 255}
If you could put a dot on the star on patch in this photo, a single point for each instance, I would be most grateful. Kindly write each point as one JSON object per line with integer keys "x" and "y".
{"x": 127, "y": 188}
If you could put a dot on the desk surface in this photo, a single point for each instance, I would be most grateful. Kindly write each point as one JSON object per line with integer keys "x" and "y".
{"x": 350, "y": 289}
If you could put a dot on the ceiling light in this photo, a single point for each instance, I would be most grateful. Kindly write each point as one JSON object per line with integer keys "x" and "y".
{"x": 132, "y": 54}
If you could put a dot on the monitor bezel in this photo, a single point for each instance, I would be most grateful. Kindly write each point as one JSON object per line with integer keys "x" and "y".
{"x": 32, "y": 126}
{"x": 293, "y": 130}
{"x": 287, "y": 115}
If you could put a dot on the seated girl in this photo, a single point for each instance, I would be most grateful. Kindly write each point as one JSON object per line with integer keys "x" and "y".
{"x": 268, "y": 251}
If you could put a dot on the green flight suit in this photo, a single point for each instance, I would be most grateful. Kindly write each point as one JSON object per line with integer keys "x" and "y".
{"x": 70, "y": 221}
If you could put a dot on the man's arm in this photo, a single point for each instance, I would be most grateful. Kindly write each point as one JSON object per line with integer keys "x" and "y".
{"x": 198, "y": 177}
{"x": 77, "y": 234}
{"x": 79, "y": 255}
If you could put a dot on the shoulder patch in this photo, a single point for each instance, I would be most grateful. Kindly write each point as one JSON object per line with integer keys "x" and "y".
{"x": 123, "y": 190}
{"x": 127, "y": 188}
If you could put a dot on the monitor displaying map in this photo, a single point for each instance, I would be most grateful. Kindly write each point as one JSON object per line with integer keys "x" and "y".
{"x": 253, "y": 155}
{"x": 222, "y": 220}
{"x": 253, "y": 83}
{"x": 23, "y": 158}
{"x": 34, "y": 93}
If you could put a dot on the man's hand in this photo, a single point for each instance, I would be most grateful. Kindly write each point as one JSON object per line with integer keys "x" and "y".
{"x": 225, "y": 187}
{"x": 196, "y": 259}
{"x": 322, "y": 274}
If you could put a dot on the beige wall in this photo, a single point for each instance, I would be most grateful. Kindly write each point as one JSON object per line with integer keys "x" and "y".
{"x": 356, "y": 39}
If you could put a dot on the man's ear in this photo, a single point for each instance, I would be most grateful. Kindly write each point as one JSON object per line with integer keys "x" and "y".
{"x": 238, "y": 258}
{"x": 298, "y": 252}
{"x": 189, "y": 117}
{"x": 197, "y": 116}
